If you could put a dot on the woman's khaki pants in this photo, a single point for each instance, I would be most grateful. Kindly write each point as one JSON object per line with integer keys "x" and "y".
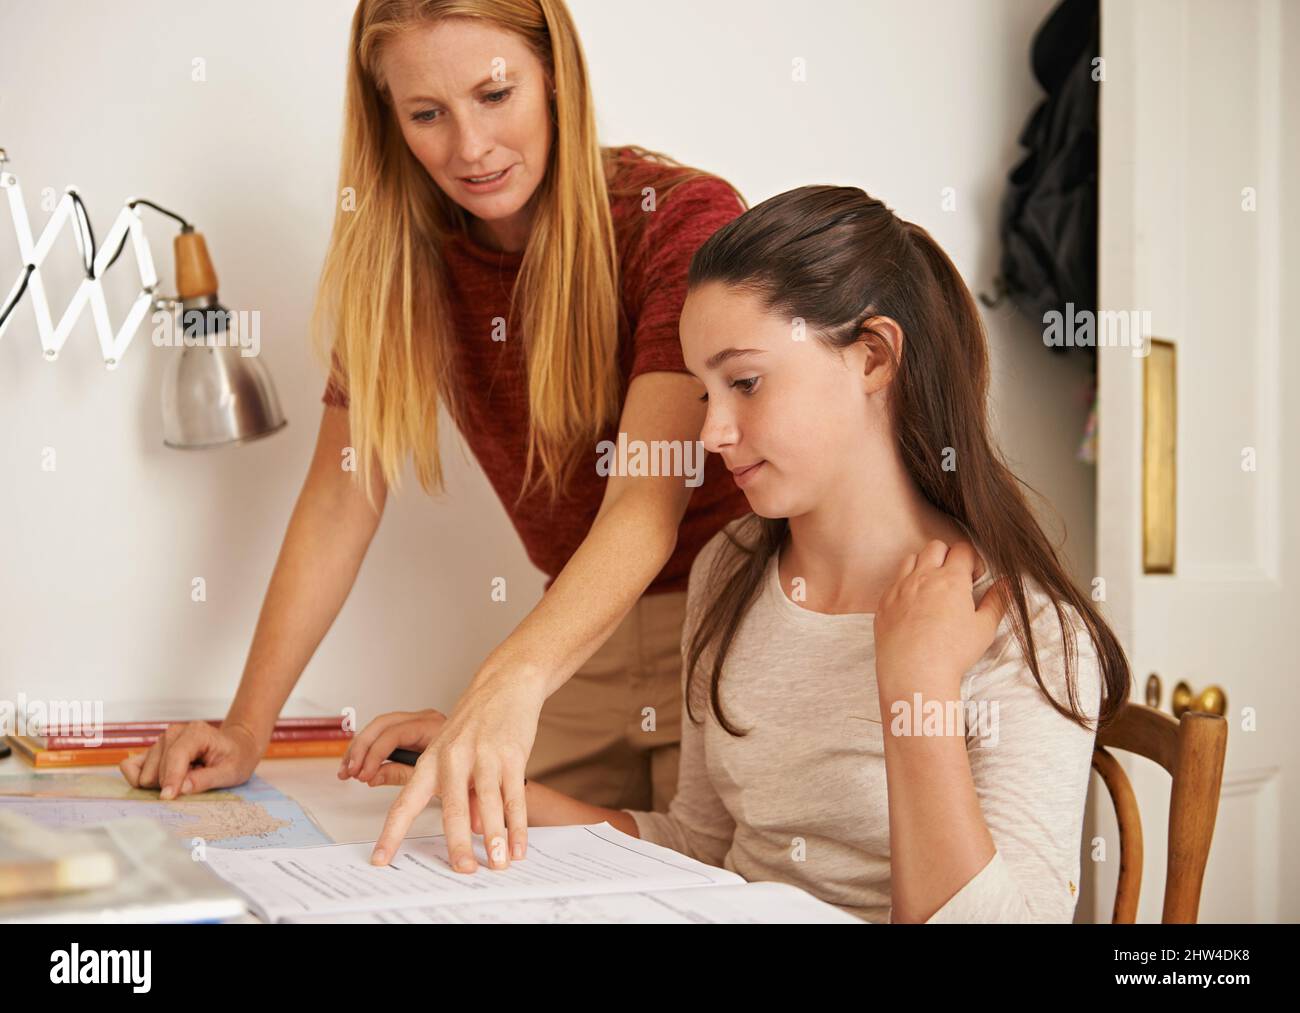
{"x": 610, "y": 735}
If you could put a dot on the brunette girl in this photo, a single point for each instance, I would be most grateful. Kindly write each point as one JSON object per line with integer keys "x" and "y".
{"x": 894, "y": 686}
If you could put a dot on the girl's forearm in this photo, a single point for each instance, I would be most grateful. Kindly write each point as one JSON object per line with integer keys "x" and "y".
{"x": 550, "y": 808}
{"x": 938, "y": 840}
{"x": 627, "y": 546}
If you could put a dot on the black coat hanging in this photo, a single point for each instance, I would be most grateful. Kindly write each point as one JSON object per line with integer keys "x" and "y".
{"x": 1049, "y": 211}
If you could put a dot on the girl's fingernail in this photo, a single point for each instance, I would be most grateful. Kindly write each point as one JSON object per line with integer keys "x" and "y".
{"x": 187, "y": 787}
{"x": 464, "y": 864}
{"x": 167, "y": 792}
{"x": 517, "y": 851}
{"x": 379, "y": 857}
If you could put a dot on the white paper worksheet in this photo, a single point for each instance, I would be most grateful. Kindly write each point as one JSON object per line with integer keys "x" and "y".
{"x": 752, "y": 903}
{"x": 281, "y": 883}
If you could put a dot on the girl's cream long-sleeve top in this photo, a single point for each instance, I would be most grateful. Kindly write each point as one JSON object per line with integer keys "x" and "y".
{"x": 802, "y": 798}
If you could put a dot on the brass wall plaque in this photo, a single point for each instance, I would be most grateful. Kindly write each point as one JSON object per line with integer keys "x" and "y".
{"x": 1159, "y": 458}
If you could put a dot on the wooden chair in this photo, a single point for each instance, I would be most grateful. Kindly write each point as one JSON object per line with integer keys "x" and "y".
{"x": 1192, "y": 750}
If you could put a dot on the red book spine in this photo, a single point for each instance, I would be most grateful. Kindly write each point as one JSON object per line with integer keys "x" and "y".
{"x": 158, "y": 727}
{"x": 110, "y": 740}
{"x": 113, "y": 756}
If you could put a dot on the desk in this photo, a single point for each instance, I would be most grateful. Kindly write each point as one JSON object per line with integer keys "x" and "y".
{"x": 349, "y": 811}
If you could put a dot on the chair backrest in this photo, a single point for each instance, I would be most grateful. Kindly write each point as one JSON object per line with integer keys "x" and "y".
{"x": 1192, "y": 751}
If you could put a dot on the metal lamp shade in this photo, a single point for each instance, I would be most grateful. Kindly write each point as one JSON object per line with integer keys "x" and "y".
{"x": 213, "y": 396}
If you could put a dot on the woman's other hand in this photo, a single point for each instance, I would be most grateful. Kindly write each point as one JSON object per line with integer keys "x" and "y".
{"x": 225, "y": 756}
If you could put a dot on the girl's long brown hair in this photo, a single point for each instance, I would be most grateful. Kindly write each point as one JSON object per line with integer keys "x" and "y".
{"x": 837, "y": 258}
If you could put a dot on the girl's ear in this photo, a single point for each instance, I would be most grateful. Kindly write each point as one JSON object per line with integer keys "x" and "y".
{"x": 884, "y": 350}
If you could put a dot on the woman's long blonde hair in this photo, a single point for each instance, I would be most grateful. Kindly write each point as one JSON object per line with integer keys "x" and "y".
{"x": 383, "y": 286}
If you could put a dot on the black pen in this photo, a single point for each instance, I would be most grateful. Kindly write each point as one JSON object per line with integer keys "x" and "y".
{"x": 409, "y": 756}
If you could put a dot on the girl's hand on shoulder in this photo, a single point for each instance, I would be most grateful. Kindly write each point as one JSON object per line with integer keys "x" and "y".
{"x": 928, "y": 631}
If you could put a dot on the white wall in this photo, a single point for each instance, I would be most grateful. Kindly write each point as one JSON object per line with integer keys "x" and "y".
{"x": 97, "y": 557}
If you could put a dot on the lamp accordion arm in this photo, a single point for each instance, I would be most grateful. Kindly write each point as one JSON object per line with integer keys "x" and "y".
{"x": 215, "y": 392}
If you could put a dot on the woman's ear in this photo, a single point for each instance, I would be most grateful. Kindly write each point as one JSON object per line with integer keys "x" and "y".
{"x": 883, "y": 339}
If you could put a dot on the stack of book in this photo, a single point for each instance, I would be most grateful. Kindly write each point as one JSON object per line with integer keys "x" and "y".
{"x": 303, "y": 729}
{"x": 123, "y": 870}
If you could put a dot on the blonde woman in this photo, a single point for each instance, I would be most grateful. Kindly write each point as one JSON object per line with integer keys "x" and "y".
{"x": 499, "y": 262}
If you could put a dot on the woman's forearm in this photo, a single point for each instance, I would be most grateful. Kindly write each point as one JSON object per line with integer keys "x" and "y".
{"x": 938, "y": 840}
{"x": 324, "y": 545}
{"x": 550, "y": 808}
{"x": 628, "y": 545}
